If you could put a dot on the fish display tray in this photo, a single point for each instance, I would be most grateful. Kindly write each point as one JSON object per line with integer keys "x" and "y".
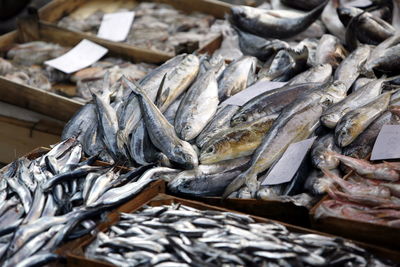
{"x": 55, "y": 10}
{"x": 379, "y": 235}
{"x": 75, "y": 256}
{"x": 286, "y": 212}
{"x": 31, "y": 98}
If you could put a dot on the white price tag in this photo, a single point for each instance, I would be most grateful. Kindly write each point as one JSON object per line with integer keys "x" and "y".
{"x": 81, "y": 56}
{"x": 387, "y": 144}
{"x": 115, "y": 26}
{"x": 287, "y": 166}
{"x": 252, "y": 91}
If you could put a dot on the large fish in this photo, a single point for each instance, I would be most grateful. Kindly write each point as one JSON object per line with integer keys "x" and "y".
{"x": 237, "y": 77}
{"x": 273, "y": 24}
{"x": 197, "y": 107}
{"x": 355, "y": 122}
{"x": 236, "y": 142}
{"x": 162, "y": 133}
{"x": 295, "y": 123}
{"x": 357, "y": 99}
{"x": 270, "y": 102}
{"x": 220, "y": 122}
{"x": 330, "y": 51}
{"x": 351, "y": 67}
{"x": 253, "y": 45}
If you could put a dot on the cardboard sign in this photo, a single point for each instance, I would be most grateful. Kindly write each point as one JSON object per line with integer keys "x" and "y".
{"x": 81, "y": 56}
{"x": 252, "y": 91}
{"x": 387, "y": 144}
{"x": 287, "y": 166}
{"x": 115, "y": 26}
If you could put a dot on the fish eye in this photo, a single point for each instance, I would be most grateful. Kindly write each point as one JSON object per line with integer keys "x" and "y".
{"x": 210, "y": 150}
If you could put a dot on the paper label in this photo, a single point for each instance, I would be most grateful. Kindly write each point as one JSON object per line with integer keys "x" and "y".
{"x": 387, "y": 144}
{"x": 81, "y": 56}
{"x": 287, "y": 166}
{"x": 115, "y": 26}
{"x": 252, "y": 91}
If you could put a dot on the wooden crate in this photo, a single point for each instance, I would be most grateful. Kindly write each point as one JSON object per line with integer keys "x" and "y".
{"x": 286, "y": 212}
{"x": 380, "y": 235}
{"x": 75, "y": 256}
{"x": 57, "y": 9}
{"x": 22, "y": 130}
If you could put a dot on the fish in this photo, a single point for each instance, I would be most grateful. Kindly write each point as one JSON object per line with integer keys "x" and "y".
{"x": 162, "y": 134}
{"x": 286, "y": 64}
{"x": 236, "y": 142}
{"x": 362, "y": 146}
{"x": 295, "y": 123}
{"x": 262, "y": 49}
{"x": 319, "y": 74}
{"x": 303, "y": 5}
{"x": 351, "y": 125}
{"x": 330, "y": 51}
{"x": 270, "y": 102}
{"x": 108, "y": 121}
{"x": 319, "y": 156}
{"x": 380, "y": 55}
{"x": 351, "y": 67}
{"x": 370, "y": 29}
{"x": 273, "y": 24}
{"x": 331, "y": 20}
{"x": 187, "y": 236}
{"x": 191, "y": 117}
{"x": 381, "y": 171}
{"x": 203, "y": 185}
{"x": 236, "y": 77}
{"x": 217, "y": 124}
{"x": 130, "y": 112}
{"x": 332, "y": 115}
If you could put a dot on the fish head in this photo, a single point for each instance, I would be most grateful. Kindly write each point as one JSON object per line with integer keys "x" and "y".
{"x": 211, "y": 153}
{"x": 189, "y": 132}
{"x": 334, "y": 93}
{"x": 240, "y": 119}
{"x": 326, "y": 161}
{"x": 185, "y": 155}
{"x": 343, "y": 135}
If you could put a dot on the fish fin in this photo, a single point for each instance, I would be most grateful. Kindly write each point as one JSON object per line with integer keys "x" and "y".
{"x": 298, "y": 54}
{"x": 162, "y": 94}
{"x": 133, "y": 86}
{"x": 234, "y": 185}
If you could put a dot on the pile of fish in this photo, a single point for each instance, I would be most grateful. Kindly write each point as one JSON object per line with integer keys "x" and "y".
{"x": 179, "y": 235}
{"x": 340, "y": 88}
{"x": 370, "y": 194}
{"x": 156, "y": 26}
{"x": 56, "y": 197}
{"x": 24, "y": 64}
